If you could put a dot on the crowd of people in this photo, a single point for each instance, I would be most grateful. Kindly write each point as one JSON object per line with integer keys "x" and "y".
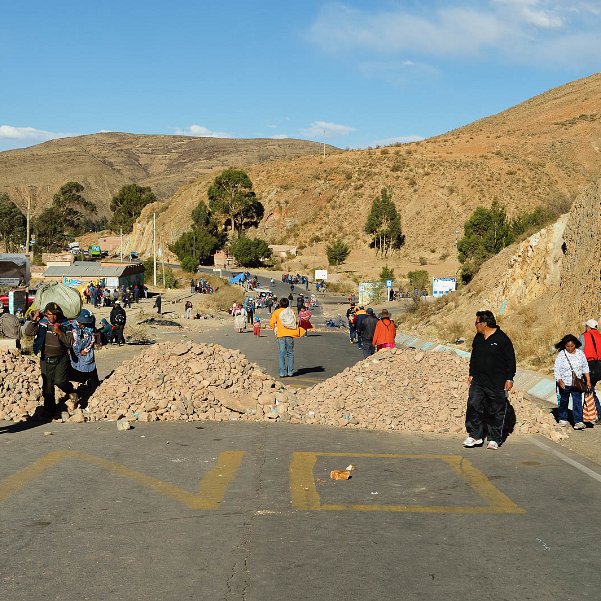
{"x": 200, "y": 286}
{"x": 98, "y": 295}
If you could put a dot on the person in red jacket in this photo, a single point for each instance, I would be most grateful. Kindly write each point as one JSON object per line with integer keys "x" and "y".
{"x": 385, "y": 332}
{"x": 591, "y": 346}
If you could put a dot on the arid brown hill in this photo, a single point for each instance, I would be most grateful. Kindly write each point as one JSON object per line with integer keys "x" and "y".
{"x": 105, "y": 162}
{"x": 543, "y": 151}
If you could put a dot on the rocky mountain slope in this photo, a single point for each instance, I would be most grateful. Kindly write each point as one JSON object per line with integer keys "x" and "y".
{"x": 541, "y": 152}
{"x": 105, "y": 162}
{"x": 542, "y": 288}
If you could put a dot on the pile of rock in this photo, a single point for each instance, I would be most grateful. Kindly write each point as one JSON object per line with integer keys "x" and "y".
{"x": 396, "y": 389}
{"x": 406, "y": 390}
{"x": 186, "y": 381}
{"x": 20, "y": 385}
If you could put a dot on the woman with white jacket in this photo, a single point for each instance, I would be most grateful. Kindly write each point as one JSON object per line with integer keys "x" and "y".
{"x": 570, "y": 359}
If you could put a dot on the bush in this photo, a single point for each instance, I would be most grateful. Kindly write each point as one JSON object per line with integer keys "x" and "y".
{"x": 337, "y": 252}
{"x": 387, "y": 273}
{"x": 250, "y": 252}
{"x": 419, "y": 279}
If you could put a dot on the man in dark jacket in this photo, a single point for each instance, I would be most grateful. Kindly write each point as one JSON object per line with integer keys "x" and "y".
{"x": 492, "y": 369}
{"x": 366, "y": 329}
{"x": 118, "y": 317}
{"x": 52, "y": 342}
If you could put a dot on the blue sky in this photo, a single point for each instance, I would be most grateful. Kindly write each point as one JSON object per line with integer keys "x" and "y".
{"x": 357, "y": 73}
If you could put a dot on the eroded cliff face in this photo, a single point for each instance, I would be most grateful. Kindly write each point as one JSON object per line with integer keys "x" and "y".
{"x": 543, "y": 287}
{"x": 579, "y": 288}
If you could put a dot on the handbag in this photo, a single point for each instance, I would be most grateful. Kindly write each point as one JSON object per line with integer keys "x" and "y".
{"x": 589, "y": 411}
{"x": 578, "y": 384}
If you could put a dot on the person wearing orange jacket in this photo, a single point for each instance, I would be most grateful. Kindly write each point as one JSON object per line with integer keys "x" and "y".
{"x": 385, "y": 331}
{"x": 285, "y": 324}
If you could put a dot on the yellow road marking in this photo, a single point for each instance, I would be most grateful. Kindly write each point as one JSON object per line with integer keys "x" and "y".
{"x": 212, "y": 489}
{"x": 305, "y": 495}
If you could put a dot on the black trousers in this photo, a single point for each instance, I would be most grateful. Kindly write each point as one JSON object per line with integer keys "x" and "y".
{"x": 485, "y": 414}
{"x": 55, "y": 375}
{"x": 118, "y": 334}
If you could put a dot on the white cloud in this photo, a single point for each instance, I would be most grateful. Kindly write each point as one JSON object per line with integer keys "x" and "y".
{"x": 200, "y": 131}
{"x": 279, "y": 137}
{"x": 28, "y": 134}
{"x": 524, "y": 31}
{"x": 397, "y": 140}
{"x": 320, "y": 129}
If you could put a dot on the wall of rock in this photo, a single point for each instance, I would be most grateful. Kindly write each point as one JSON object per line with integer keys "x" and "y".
{"x": 397, "y": 389}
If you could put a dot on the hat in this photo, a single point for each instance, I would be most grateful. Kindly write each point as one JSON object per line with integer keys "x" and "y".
{"x": 53, "y": 308}
{"x": 117, "y": 302}
{"x": 384, "y": 313}
{"x": 591, "y": 323}
{"x": 257, "y": 318}
{"x": 370, "y": 311}
{"x": 85, "y": 318}
{"x": 361, "y": 307}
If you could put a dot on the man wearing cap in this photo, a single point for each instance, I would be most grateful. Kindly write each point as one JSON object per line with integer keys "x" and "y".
{"x": 591, "y": 347}
{"x": 53, "y": 339}
{"x": 118, "y": 317}
{"x": 365, "y": 330}
{"x": 359, "y": 317}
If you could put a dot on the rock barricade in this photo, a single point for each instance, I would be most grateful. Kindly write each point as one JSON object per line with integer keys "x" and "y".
{"x": 185, "y": 381}
{"x": 396, "y": 389}
{"x": 20, "y": 385}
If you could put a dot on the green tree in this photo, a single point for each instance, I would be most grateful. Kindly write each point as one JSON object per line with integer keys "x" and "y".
{"x": 387, "y": 273}
{"x": 71, "y": 209}
{"x": 194, "y": 248}
{"x": 13, "y": 224}
{"x": 485, "y": 233}
{"x": 232, "y": 198}
{"x": 50, "y": 234}
{"x": 127, "y": 205}
{"x": 419, "y": 279}
{"x": 337, "y": 252}
{"x": 197, "y": 246}
{"x": 384, "y": 224}
{"x": 250, "y": 252}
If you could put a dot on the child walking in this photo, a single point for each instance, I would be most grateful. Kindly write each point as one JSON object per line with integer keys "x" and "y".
{"x": 257, "y": 326}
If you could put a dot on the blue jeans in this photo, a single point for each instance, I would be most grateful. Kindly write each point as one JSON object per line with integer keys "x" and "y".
{"x": 564, "y": 397}
{"x": 286, "y": 352}
{"x": 368, "y": 349}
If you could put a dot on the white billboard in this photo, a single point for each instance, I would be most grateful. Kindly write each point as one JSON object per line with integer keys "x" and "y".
{"x": 321, "y": 274}
{"x": 442, "y": 286}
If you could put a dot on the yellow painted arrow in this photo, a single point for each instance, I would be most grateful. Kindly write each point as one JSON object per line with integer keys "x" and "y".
{"x": 212, "y": 489}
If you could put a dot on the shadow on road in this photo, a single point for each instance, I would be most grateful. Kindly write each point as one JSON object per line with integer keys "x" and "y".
{"x": 309, "y": 370}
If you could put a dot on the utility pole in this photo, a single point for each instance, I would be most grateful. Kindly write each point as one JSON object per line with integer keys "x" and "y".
{"x": 121, "y": 233}
{"x": 163, "y": 260}
{"x": 324, "y": 143}
{"x": 154, "y": 245}
{"x": 28, "y": 235}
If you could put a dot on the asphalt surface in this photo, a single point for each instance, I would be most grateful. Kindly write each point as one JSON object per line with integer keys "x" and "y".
{"x": 247, "y": 511}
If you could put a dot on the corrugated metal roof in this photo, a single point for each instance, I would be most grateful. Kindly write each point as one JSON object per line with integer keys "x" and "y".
{"x": 90, "y": 269}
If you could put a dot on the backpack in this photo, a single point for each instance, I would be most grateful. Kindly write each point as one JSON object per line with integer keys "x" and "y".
{"x": 288, "y": 318}
{"x": 120, "y": 319}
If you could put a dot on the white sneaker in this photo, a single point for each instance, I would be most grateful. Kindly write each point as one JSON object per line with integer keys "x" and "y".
{"x": 579, "y": 426}
{"x": 492, "y": 445}
{"x": 563, "y": 422}
{"x": 472, "y": 442}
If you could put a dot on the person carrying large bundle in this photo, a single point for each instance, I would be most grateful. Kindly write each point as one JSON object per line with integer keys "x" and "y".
{"x": 53, "y": 340}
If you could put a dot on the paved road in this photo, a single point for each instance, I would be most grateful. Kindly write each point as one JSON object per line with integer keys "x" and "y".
{"x": 247, "y": 511}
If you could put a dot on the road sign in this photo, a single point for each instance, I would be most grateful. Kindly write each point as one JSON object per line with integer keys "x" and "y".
{"x": 388, "y": 283}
